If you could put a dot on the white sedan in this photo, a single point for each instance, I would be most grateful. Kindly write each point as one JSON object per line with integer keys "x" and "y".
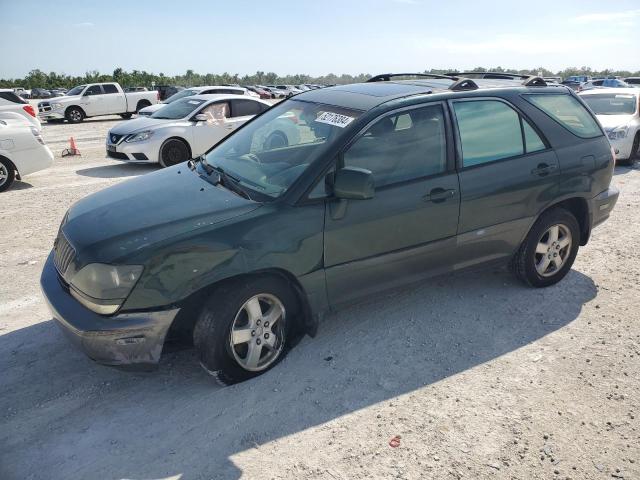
{"x": 22, "y": 150}
{"x": 181, "y": 130}
{"x": 617, "y": 110}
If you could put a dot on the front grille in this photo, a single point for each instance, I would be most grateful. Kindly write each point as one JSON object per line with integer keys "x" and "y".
{"x": 63, "y": 253}
{"x": 117, "y": 155}
{"x": 44, "y": 107}
{"x": 114, "y": 138}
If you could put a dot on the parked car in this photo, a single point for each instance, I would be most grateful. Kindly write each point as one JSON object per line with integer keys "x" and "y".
{"x": 604, "y": 83}
{"x": 633, "y": 81}
{"x": 40, "y": 93}
{"x": 189, "y": 92}
{"x": 578, "y": 78}
{"x": 617, "y": 111}
{"x": 181, "y": 130}
{"x": 22, "y": 149}
{"x": 249, "y": 245}
{"x": 261, "y": 92}
{"x": 136, "y": 89}
{"x": 10, "y": 102}
{"x": 288, "y": 90}
{"x": 166, "y": 91}
{"x": 57, "y": 93}
{"x": 275, "y": 93}
{"x": 93, "y": 100}
{"x": 21, "y": 92}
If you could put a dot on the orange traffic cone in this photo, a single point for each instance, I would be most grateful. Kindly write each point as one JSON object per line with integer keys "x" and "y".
{"x": 72, "y": 150}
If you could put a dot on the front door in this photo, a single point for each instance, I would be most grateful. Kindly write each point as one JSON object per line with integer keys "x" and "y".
{"x": 92, "y": 101}
{"x": 407, "y": 230}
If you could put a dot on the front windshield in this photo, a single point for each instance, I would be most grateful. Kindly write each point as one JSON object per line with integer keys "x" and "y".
{"x": 178, "y": 109}
{"x": 612, "y": 104}
{"x": 179, "y": 95}
{"x": 76, "y": 90}
{"x": 270, "y": 153}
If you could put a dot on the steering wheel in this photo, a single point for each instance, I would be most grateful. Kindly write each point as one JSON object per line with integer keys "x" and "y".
{"x": 251, "y": 156}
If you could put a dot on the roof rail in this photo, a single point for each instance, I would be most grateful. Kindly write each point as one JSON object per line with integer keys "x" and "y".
{"x": 534, "y": 81}
{"x": 385, "y": 77}
{"x": 488, "y": 75}
{"x": 463, "y": 84}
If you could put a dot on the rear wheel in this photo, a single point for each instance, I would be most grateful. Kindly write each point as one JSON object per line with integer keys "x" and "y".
{"x": 172, "y": 152}
{"x": 74, "y": 115}
{"x": 243, "y": 329}
{"x": 549, "y": 250}
{"x": 7, "y": 175}
{"x": 142, "y": 104}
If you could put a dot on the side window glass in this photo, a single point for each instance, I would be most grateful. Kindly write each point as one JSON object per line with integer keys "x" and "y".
{"x": 532, "y": 141}
{"x": 111, "y": 88}
{"x": 94, "y": 90}
{"x": 489, "y": 130}
{"x": 567, "y": 111}
{"x": 242, "y": 108}
{"x": 402, "y": 147}
{"x": 217, "y": 112}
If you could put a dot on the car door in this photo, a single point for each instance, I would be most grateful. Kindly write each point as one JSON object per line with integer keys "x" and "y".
{"x": 507, "y": 173}
{"x": 92, "y": 99}
{"x": 114, "y": 100}
{"x": 407, "y": 230}
{"x": 205, "y": 134}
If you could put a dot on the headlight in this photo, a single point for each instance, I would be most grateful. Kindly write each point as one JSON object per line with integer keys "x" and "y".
{"x": 139, "y": 137}
{"x": 103, "y": 288}
{"x": 55, "y": 105}
{"x": 618, "y": 132}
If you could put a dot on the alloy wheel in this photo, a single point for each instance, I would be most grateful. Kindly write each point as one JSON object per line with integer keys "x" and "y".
{"x": 553, "y": 250}
{"x": 4, "y": 174}
{"x": 257, "y": 334}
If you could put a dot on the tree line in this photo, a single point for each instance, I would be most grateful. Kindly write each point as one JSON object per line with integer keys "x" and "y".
{"x": 39, "y": 79}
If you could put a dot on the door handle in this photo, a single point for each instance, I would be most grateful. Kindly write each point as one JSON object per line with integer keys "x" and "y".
{"x": 439, "y": 195}
{"x": 543, "y": 169}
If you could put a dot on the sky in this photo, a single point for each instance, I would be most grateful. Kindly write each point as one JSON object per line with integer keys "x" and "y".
{"x": 315, "y": 37}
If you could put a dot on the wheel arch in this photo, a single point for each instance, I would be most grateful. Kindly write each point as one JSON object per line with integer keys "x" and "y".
{"x": 11, "y": 164}
{"x": 142, "y": 104}
{"x": 179, "y": 138}
{"x": 183, "y": 324}
{"x": 579, "y": 207}
{"x": 75, "y": 106}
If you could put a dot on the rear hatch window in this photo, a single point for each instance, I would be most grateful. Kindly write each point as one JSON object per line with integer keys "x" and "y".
{"x": 12, "y": 97}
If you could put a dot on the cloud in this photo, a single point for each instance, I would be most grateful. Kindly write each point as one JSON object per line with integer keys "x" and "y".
{"x": 84, "y": 25}
{"x": 625, "y": 17}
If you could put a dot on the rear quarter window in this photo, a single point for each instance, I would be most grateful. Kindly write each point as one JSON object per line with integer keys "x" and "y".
{"x": 568, "y": 112}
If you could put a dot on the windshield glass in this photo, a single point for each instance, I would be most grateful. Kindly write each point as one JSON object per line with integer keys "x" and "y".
{"x": 270, "y": 153}
{"x": 76, "y": 90}
{"x": 179, "y": 95}
{"x": 178, "y": 109}
{"x": 611, "y": 104}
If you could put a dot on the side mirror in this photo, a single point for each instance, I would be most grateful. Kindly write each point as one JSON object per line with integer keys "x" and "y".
{"x": 201, "y": 117}
{"x": 354, "y": 183}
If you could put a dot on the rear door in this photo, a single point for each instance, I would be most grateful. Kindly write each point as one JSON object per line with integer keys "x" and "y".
{"x": 407, "y": 230}
{"x": 114, "y": 100}
{"x": 507, "y": 173}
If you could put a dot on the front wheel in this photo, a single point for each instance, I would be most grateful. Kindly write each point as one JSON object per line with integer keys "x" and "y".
{"x": 7, "y": 175}
{"x": 74, "y": 115}
{"x": 172, "y": 152}
{"x": 244, "y": 328}
{"x": 549, "y": 250}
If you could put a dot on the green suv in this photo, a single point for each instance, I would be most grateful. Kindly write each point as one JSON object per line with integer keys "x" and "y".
{"x": 325, "y": 198}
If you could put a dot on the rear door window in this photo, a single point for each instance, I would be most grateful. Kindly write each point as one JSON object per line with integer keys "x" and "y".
{"x": 243, "y": 108}
{"x": 568, "y": 112}
{"x": 111, "y": 88}
{"x": 489, "y": 130}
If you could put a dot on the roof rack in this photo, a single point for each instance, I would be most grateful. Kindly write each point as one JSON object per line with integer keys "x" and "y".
{"x": 462, "y": 84}
{"x": 488, "y": 75}
{"x": 534, "y": 81}
{"x": 385, "y": 77}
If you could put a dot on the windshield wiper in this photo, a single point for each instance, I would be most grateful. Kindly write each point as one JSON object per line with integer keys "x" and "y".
{"x": 228, "y": 181}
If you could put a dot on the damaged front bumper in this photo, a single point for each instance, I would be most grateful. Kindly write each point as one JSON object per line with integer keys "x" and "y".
{"x": 132, "y": 340}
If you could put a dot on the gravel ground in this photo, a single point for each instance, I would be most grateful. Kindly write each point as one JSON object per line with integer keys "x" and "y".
{"x": 477, "y": 375}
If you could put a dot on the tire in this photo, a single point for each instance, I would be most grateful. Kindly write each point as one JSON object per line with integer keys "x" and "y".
{"x": 172, "y": 152}
{"x": 7, "y": 174}
{"x": 276, "y": 139}
{"x": 126, "y": 116}
{"x": 74, "y": 115}
{"x": 635, "y": 151}
{"x": 142, "y": 104}
{"x": 228, "y": 309}
{"x": 537, "y": 268}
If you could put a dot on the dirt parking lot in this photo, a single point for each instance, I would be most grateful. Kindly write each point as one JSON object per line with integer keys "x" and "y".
{"x": 479, "y": 376}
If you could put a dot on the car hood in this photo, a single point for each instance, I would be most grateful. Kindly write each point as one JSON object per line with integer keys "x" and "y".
{"x": 152, "y": 108}
{"x": 613, "y": 121}
{"x": 67, "y": 98}
{"x": 139, "y": 124}
{"x": 122, "y": 220}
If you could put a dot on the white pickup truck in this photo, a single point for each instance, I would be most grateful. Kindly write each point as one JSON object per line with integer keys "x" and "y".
{"x": 93, "y": 100}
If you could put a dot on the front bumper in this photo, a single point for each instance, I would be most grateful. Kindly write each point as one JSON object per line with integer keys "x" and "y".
{"x": 135, "y": 152}
{"x": 126, "y": 339}
{"x": 602, "y": 205}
